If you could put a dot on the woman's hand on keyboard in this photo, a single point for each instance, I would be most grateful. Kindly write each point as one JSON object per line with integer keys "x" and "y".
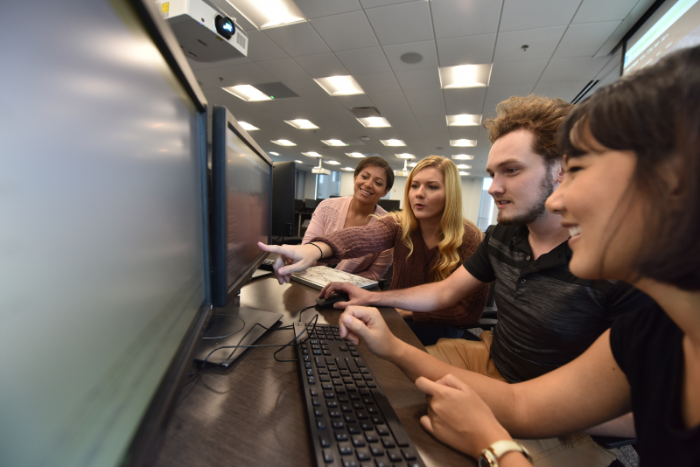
{"x": 458, "y": 416}
{"x": 366, "y": 324}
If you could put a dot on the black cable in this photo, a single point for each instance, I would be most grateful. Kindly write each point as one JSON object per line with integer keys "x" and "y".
{"x": 228, "y": 335}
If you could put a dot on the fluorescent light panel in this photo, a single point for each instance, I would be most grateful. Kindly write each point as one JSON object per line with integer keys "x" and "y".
{"x": 463, "y": 120}
{"x": 392, "y": 142}
{"x": 463, "y": 143}
{"x": 248, "y": 93}
{"x": 405, "y": 156}
{"x": 462, "y": 157}
{"x": 274, "y": 153}
{"x": 348, "y": 169}
{"x": 374, "y": 122}
{"x": 311, "y": 154}
{"x": 333, "y": 142}
{"x": 465, "y": 76}
{"x": 283, "y": 142}
{"x": 268, "y": 13}
{"x": 340, "y": 85}
{"x": 247, "y": 126}
{"x": 331, "y": 162}
{"x": 298, "y": 162}
{"x": 356, "y": 155}
{"x": 464, "y": 166}
{"x": 464, "y": 173}
{"x": 301, "y": 124}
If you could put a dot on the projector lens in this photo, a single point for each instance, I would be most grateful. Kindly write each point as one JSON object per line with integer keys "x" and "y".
{"x": 224, "y": 26}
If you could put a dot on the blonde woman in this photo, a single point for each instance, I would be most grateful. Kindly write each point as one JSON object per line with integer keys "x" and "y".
{"x": 430, "y": 239}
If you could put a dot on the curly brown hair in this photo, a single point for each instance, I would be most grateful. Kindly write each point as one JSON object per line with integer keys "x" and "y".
{"x": 540, "y": 115}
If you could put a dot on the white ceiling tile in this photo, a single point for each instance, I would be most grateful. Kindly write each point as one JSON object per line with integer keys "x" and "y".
{"x": 364, "y": 61}
{"x": 592, "y": 11}
{"x": 378, "y": 82}
{"x": 501, "y": 92}
{"x": 426, "y": 49}
{"x": 426, "y": 78}
{"x": 345, "y": 32}
{"x": 566, "y": 90}
{"x": 456, "y": 18}
{"x": 246, "y": 73}
{"x": 435, "y": 108}
{"x": 406, "y": 22}
{"x": 397, "y": 112}
{"x": 423, "y": 96}
{"x": 307, "y": 88}
{"x": 530, "y": 14}
{"x": 463, "y": 132}
{"x": 584, "y": 40}
{"x": 285, "y": 69}
{"x": 321, "y": 65}
{"x": 223, "y": 63}
{"x": 389, "y": 98}
{"x": 517, "y": 72}
{"x": 573, "y": 69}
{"x": 318, "y": 8}
{"x": 297, "y": 39}
{"x": 354, "y": 101}
{"x": 375, "y": 3}
{"x": 464, "y": 101}
{"x": 261, "y": 47}
{"x": 541, "y": 42}
{"x": 466, "y": 50}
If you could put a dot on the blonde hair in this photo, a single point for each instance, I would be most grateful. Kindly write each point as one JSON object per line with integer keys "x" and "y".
{"x": 451, "y": 223}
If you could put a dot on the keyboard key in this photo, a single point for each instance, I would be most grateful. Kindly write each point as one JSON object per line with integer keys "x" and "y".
{"x": 315, "y": 402}
{"x": 361, "y": 415}
{"x": 329, "y": 395}
{"x": 338, "y": 425}
{"x": 321, "y": 425}
{"x": 363, "y": 454}
{"x": 313, "y": 392}
{"x": 341, "y": 437}
{"x": 388, "y": 443}
{"x": 333, "y": 404}
{"x": 376, "y": 450}
{"x": 318, "y": 412}
{"x": 358, "y": 441}
{"x": 394, "y": 456}
{"x": 382, "y": 431}
{"x": 349, "y": 463}
{"x": 366, "y": 426}
{"x": 377, "y": 420}
{"x": 327, "y": 386}
{"x": 327, "y": 456}
{"x": 371, "y": 437}
{"x": 325, "y": 442}
{"x": 354, "y": 429}
{"x": 311, "y": 380}
{"x": 382, "y": 463}
{"x": 344, "y": 449}
{"x": 408, "y": 454}
{"x": 334, "y": 414}
{"x": 360, "y": 362}
{"x": 319, "y": 363}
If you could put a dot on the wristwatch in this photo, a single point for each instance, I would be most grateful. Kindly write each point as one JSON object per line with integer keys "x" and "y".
{"x": 492, "y": 454}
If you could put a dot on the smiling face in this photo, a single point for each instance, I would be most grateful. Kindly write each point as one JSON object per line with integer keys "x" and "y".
{"x": 427, "y": 194}
{"x": 521, "y": 180}
{"x": 606, "y": 229}
{"x": 370, "y": 185}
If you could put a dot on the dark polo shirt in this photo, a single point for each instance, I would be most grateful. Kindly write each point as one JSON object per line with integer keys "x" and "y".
{"x": 546, "y": 315}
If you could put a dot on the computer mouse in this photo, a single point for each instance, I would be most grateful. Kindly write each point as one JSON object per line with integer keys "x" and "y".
{"x": 333, "y": 298}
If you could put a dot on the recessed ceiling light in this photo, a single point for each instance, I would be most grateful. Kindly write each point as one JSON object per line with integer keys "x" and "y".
{"x": 392, "y": 142}
{"x": 247, "y": 92}
{"x": 463, "y": 157}
{"x": 356, "y": 155}
{"x": 374, "y": 122}
{"x": 463, "y": 120}
{"x": 333, "y": 142}
{"x": 283, "y": 142}
{"x": 274, "y": 153}
{"x": 340, "y": 85}
{"x": 464, "y": 173}
{"x": 301, "y": 124}
{"x": 465, "y": 76}
{"x": 462, "y": 143}
{"x": 270, "y": 13}
{"x": 331, "y": 162}
{"x": 247, "y": 126}
{"x": 348, "y": 169}
{"x": 464, "y": 166}
{"x": 311, "y": 154}
{"x": 405, "y": 156}
{"x": 298, "y": 162}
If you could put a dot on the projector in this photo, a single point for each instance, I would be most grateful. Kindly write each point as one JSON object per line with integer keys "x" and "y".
{"x": 204, "y": 34}
{"x": 320, "y": 171}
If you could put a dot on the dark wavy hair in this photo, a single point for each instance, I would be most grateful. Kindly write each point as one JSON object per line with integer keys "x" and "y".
{"x": 654, "y": 112}
{"x": 378, "y": 162}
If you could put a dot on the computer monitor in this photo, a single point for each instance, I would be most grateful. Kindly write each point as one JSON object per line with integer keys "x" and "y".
{"x": 283, "y": 202}
{"x": 310, "y": 204}
{"x": 390, "y": 205}
{"x": 104, "y": 253}
{"x": 241, "y": 187}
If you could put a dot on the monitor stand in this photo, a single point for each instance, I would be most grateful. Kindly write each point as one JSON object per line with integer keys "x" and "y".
{"x": 227, "y": 327}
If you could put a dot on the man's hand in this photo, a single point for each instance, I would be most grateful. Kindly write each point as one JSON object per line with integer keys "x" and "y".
{"x": 291, "y": 258}
{"x": 358, "y": 296}
{"x": 457, "y": 416}
{"x": 366, "y": 324}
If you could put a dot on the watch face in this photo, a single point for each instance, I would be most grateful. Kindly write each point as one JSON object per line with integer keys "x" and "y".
{"x": 485, "y": 461}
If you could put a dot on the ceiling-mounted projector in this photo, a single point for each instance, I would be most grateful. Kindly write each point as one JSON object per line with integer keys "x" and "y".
{"x": 204, "y": 34}
{"x": 319, "y": 170}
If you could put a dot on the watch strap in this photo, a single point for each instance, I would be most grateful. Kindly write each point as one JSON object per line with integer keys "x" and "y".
{"x": 501, "y": 448}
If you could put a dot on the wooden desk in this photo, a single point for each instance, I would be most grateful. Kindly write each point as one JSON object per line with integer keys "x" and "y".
{"x": 253, "y": 414}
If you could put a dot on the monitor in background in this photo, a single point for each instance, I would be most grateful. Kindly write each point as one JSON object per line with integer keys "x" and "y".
{"x": 241, "y": 186}
{"x": 283, "y": 202}
{"x": 310, "y": 204}
{"x": 390, "y": 205}
{"x": 298, "y": 204}
{"x": 104, "y": 264}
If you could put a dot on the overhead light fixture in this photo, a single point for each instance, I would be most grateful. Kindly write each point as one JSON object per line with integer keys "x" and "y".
{"x": 463, "y": 120}
{"x": 332, "y": 162}
{"x": 274, "y": 153}
{"x": 248, "y": 93}
{"x": 413, "y": 164}
{"x": 403, "y": 172}
{"x": 392, "y": 142}
{"x": 463, "y": 143}
{"x": 405, "y": 156}
{"x": 298, "y": 162}
{"x": 348, "y": 169}
{"x": 464, "y": 173}
{"x": 319, "y": 170}
{"x": 462, "y": 157}
{"x": 333, "y": 142}
{"x": 301, "y": 124}
{"x": 311, "y": 154}
{"x": 374, "y": 122}
{"x": 465, "y": 76}
{"x": 464, "y": 166}
{"x": 356, "y": 155}
{"x": 283, "y": 142}
{"x": 340, "y": 85}
{"x": 269, "y": 13}
{"x": 247, "y": 126}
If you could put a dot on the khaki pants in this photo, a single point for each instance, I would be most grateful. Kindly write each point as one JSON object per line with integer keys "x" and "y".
{"x": 577, "y": 450}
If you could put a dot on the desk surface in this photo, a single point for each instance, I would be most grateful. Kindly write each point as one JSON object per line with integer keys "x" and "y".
{"x": 253, "y": 414}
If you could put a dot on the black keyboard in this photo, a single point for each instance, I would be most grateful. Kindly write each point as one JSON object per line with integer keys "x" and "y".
{"x": 351, "y": 422}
